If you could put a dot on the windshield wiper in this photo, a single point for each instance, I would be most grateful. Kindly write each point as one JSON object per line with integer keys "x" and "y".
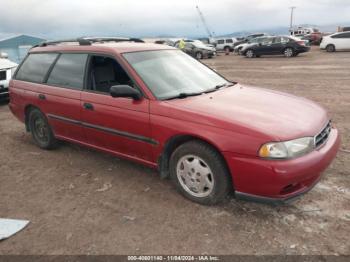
{"x": 217, "y": 87}
{"x": 184, "y": 95}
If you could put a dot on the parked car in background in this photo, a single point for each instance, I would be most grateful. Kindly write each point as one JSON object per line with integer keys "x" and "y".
{"x": 336, "y": 42}
{"x": 257, "y": 40}
{"x": 7, "y": 68}
{"x": 164, "y": 42}
{"x": 157, "y": 106}
{"x": 197, "y": 49}
{"x": 225, "y": 44}
{"x": 249, "y": 38}
{"x": 310, "y": 34}
{"x": 277, "y": 45}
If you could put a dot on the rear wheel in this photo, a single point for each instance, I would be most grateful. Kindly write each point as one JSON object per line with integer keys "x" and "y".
{"x": 199, "y": 55}
{"x": 330, "y": 48}
{"x": 289, "y": 52}
{"x": 41, "y": 131}
{"x": 250, "y": 53}
{"x": 199, "y": 173}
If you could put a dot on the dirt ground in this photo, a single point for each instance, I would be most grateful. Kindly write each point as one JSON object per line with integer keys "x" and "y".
{"x": 84, "y": 202}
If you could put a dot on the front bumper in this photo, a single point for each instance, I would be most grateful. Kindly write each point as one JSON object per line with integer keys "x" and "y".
{"x": 280, "y": 181}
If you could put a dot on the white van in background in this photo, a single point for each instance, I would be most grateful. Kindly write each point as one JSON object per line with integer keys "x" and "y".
{"x": 336, "y": 42}
{"x": 7, "y": 68}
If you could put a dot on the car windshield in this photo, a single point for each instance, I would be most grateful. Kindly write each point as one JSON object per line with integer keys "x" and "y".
{"x": 174, "y": 74}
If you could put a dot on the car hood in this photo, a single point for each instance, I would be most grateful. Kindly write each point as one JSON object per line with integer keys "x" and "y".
{"x": 209, "y": 49}
{"x": 255, "y": 111}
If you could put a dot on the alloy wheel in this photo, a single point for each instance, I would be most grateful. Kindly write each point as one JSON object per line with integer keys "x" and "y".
{"x": 288, "y": 52}
{"x": 195, "y": 176}
{"x": 250, "y": 53}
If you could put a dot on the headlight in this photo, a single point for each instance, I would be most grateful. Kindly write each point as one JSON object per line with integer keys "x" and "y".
{"x": 288, "y": 149}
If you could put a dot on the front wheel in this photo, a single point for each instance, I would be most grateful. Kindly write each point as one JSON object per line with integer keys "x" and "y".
{"x": 41, "y": 131}
{"x": 330, "y": 48}
{"x": 199, "y": 55}
{"x": 199, "y": 173}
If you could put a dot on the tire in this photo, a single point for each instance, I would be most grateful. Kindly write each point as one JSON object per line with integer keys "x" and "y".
{"x": 199, "y": 173}
{"x": 288, "y": 52}
{"x": 250, "y": 53}
{"x": 199, "y": 55}
{"x": 330, "y": 48}
{"x": 41, "y": 131}
{"x": 227, "y": 49}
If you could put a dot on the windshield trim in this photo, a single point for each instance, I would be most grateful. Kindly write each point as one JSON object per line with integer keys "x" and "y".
{"x": 160, "y": 50}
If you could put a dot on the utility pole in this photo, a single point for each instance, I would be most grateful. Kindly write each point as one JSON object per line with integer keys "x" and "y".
{"x": 210, "y": 34}
{"x": 291, "y": 16}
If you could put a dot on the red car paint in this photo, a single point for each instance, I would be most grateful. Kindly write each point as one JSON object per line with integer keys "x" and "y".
{"x": 237, "y": 121}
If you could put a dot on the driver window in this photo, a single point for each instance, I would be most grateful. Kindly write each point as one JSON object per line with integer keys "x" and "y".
{"x": 105, "y": 72}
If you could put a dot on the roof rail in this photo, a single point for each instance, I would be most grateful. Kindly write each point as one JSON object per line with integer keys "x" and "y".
{"x": 90, "y": 40}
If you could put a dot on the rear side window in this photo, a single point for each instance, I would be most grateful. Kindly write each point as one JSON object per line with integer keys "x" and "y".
{"x": 229, "y": 41}
{"x": 342, "y": 35}
{"x": 35, "y": 67}
{"x": 69, "y": 71}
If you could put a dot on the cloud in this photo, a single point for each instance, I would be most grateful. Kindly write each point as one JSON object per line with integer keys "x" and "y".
{"x": 67, "y": 18}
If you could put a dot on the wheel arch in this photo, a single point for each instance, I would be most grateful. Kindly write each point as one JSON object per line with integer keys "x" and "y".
{"x": 173, "y": 143}
{"x": 331, "y": 44}
{"x": 27, "y": 109}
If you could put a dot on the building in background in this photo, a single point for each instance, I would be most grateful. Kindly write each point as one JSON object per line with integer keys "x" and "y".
{"x": 17, "y": 46}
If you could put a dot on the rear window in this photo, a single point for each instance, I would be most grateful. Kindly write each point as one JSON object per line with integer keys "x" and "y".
{"x": 69, "y": 71}
{"x": 35, "y": 67}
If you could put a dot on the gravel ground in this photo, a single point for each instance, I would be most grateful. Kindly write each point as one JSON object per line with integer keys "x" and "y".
{"x": 80, "y": 201}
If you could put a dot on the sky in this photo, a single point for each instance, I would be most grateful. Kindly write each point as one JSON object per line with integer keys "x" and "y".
{"x": 140, "y": 18}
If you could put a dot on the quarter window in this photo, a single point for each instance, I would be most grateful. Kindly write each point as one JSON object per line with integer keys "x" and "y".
{"x": 69, "y": 71}
{"x": 35, "y": 67}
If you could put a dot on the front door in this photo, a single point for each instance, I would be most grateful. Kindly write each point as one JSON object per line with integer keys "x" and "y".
{"x": 119, "y": 125}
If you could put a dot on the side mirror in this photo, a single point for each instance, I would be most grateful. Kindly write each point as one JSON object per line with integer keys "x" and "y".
{"x": 125, "y": 91}
{"x": 260, "y": 44}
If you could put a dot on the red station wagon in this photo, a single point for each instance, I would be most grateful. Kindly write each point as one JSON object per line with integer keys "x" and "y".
{"x": 158, "y": 106}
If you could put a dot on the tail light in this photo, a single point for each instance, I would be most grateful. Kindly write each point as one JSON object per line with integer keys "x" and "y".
{"x": 301, "y": 43}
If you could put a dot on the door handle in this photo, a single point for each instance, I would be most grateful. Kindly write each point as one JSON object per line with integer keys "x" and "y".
{"x": 42, "y": 97}
{"x": 88, "y": 106}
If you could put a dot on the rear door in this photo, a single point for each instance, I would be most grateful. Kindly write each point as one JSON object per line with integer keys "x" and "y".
{"x": 119, "y": 125}
{"x": 61, "y": 93}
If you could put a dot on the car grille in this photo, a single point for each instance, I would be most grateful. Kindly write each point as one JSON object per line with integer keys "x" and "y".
{"x": 2, "y": 75}
{"x": 322, "y": 137}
